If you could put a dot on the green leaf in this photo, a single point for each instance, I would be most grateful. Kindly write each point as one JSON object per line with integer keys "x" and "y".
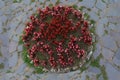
{"x": 86, "y": 16}
{"x": 103, "y": 1}
{"x": 75, "y": 6}
{"x": 38, "y": 70}
{"x": 95, "y": 62}
{"x": 57, "y": 2}
{"x": 83, "y": 68}
{"x": 0, "y": 54}
{"x": 105, "y": 32}
{"x": 20, "y": 40}
{"x": 17, "y": 1}
{"x": 92, "y": 22}
{"x": 104, "y": 73}
{"x": 1, "y": 66}
{"x": 50, "y": 5}
{"x": 80, "y": 0}
{"x": 81, "y": 8}
{"x": 32, "y": 0}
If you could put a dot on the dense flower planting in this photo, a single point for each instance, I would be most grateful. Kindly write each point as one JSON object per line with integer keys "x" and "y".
{"x": 57, "y": 37}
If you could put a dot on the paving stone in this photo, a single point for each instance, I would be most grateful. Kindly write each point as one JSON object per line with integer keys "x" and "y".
{"x": 100, "y": 26}
{"x": 109, "y": 42}
{"x": 93, "y": 15}
{"x": 52, "y": 76}
{"x": 100, "y": 5}
{"x": 1, "y": 27}
{"x": 5, "y": 52}
{"x": 4, "y": 39}
{"x": 15, "y": 38}
{"x": 116, "y": 37}
{"x": 27, "y": 2}
{"x": 100, "y": 78}
{"x": 14, "y": 25}
{"x": 12, "y": 12}
{"x": 13, "y": 59}
{"x": 92, "y": 76}
{"x": 85, "y": 3}
{"x": 94, "y": 70}
{"x": 2, "y": 4}
{"x": 20, "y": 29}
{"x": 20, "y": 48}
{"x": 98, "y": 50}
{"x": 116, "y": 58}
{"x": 1, "y": 12}
{"x": 107, "y": 54}
{"x": 12, "y": 46}
{"x": 102, "y": 62}
{"x": 113, "y": 9}
{"x": 3, "y": 18}
{"x": 20, "y": 69}
{"x": 112, "y": 73}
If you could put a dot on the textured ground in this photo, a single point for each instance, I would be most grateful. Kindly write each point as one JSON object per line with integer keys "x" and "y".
{"x": 105, "y": 63}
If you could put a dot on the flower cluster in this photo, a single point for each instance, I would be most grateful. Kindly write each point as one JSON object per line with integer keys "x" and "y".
{"x": 57, "y": 37}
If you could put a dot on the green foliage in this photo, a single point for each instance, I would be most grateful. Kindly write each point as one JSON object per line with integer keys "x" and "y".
{"x": 80, "y": 0}
{"x": 32, "y": 0}
{"x": 95, "y": 62}
{"x": 57, "y": 2}
{"x": 75, "y": 6}
{"x": 1, "y": 66}
{"x": 87, "y": 77}
{"x": 92, "y": 29}
{"x": 0, "y": 54}
{"x": 104, "y": 74}
{"x": 98, "y": 75}
{"x": 105, "y": 32}
{"x": 83, "y": 68}
{"x": 8, "y": 71}
{"x": 17, "y": 1}
{"x": 103, "y": 1}
{"x": 86, "y": 16}
{"x": 38, "y": 70}
{"x": 20, "y": 40}
{"x": 92, "y": 22}
{"x": 82, "y": 7}
{"x": 50, "y": 5}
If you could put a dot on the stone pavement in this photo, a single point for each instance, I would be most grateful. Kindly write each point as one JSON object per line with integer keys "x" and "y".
{"x": 105, "y": 63}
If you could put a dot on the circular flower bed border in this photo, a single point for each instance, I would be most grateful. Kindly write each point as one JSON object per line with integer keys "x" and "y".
{"x": 57, "y": 39}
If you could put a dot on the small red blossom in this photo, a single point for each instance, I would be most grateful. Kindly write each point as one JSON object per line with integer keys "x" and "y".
{"x": 56, "y": 37}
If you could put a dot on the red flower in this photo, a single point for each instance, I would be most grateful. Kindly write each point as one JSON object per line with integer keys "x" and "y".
{"x": 56, "y": 37}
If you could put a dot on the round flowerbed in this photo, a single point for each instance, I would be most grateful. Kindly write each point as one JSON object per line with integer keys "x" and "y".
{"x": 57, "y": 39}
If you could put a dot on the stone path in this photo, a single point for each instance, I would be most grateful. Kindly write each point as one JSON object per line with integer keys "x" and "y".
{"x": 105, "y": 63}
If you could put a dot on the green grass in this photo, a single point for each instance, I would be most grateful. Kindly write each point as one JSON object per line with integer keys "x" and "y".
{"x": 98, "y": 75}
{"x": 75, "y": 6}
{"x": 104, "y": 74}
{"x": 57, "y": 2}
{"x": 86, "y": 16}
{"x": 80, "y": 0}
{"x": 105, "y": 32}
{"x": 103, "y": 1}
{"x": 0, "y": 54}
{"x": 17, "y": 1}
{"x": 95, "y": 62}
{"x": 20, "y": 40}
{"x": 81, "y": 8}
{"x": 83, "y": 68}
{"x": 87, "y": 77}
{"x": 50, "y": 5}
{"x": 1, "y": 66}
